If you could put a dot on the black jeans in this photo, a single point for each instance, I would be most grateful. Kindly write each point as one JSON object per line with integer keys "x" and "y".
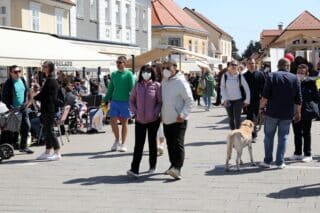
{"x": 234, "y": 114}
{"x": 302, "y": 129}
{"x": 140, "y": 137}
{"x": 252, "y": 115}
{"x": 174, "y": 134}
{"x": 47, "y": 120}
{"x": 24, "y": 129}
{"x": 218, "y": 100}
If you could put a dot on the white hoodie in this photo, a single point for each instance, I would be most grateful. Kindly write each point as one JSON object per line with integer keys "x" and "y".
{"x": 177, "y": 99}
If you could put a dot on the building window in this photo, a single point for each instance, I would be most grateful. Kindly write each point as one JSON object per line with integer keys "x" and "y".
{"x": 128, "y": 36}
{"x": 107, "y": 11}
{"x": 128, "y": 16}
{"x": 144, "y": 20}
{"x": 190, "y": 45}
{"x": 35, "y": 16}
{"x": 118, "y": 13}
{"x": 204, "y": 48}
{"x": 108, "y": 33}
{"x": 80, "y": 8}
{"x": 118, "y": 34}
{"x": 59, "y": 20}
{"x": 93, "y": 10}
{"x": 174, "y": 42}
{"x": 3, "y": 15}
{"x": 196, "y": 46}
{"x": 137, "y": 18}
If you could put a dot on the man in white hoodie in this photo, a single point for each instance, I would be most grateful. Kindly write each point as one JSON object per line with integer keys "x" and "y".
{"x": 176, "y": 105}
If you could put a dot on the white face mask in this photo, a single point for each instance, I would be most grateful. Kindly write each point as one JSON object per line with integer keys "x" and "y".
{"x": 146, "y": 76}
{"x": 300, "y": 77}
{"x": 166, "y": 73}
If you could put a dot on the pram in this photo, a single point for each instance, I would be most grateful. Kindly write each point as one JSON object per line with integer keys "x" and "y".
{"x": 10, "y": 120}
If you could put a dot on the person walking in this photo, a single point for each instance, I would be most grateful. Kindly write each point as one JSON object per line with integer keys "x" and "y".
{"x": 309, "y": 111}
{"x": 208, "y": 88}
{"x": 120, "y": 86}
{"x": 281, "y": 102}
{"x": 235, "y": 94}
{"x": 256, "y": 81}
{"x": 15, "y": 95}
{"x": 48, "y": 98}
{"x": 176, "y": 106}
{"x": 145, "y": 103}
{"x": 218, "y": 77}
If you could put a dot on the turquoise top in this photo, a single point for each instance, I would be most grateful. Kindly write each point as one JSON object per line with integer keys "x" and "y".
{"x": 19, "y": 88}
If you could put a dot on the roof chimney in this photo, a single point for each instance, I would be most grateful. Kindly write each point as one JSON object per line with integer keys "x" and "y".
{"x": 280, "y": 26}
{"x": 193, "y": 9}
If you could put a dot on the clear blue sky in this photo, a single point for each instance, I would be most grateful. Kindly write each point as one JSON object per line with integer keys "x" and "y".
{"x": 245, "y": 19}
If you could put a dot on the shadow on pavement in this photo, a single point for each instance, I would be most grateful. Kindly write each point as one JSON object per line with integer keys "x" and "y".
{"x": 84, "y": 154}
{"x": 206, "y": 143}
{"x": 246, "y": 168}
{"x": 112, "y": 155}
{"x": 213, "y": 127}
{"x": 312, "y": 190}
{"x": 17, "y": 162}
{"x": 118, "y": 179}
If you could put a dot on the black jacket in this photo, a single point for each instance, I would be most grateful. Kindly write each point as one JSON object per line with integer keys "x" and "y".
{"x": 310, "y": 99}
{"x": 48, "y": 96}
{"x": 256, "y": 81}
{"x": 8, "y": 92}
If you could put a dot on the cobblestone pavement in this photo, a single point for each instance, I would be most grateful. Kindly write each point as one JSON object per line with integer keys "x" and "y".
{"x": 90, "y": 178}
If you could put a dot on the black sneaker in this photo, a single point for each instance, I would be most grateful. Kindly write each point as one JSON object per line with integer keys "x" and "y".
{"x": 26, "y": 150}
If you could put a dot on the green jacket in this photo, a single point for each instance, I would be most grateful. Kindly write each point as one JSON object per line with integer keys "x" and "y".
{"x": 210, "y": 85}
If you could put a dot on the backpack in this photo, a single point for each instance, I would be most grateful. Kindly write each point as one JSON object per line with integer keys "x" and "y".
{"x": 243, "y": 93}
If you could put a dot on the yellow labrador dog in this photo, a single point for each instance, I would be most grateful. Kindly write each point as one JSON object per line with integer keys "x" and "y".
{"x": 238, "y": 139}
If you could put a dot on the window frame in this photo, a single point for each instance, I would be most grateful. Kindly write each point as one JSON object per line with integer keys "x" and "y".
{"x": 35, "y": 7}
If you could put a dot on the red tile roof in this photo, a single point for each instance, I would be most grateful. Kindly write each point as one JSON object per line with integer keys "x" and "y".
{"x": 305, "y": 21}
{"x": 168, "y": 13}
{"x": 207, "y": 21}
{"x": 271, "y": 32}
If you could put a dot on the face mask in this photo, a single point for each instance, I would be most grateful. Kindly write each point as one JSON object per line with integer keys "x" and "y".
{"x": 166, "y": 73}
{"x": 146, "y": 76}
{"x": 300, "y": 77}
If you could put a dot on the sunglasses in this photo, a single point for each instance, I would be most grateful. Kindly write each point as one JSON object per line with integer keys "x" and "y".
{"x": 119, "y": 62}
{"x": 17, "y": 71}
{"x": 234, "y": 65}
{"x": 147, "y": 71}
{"x": 168, "y": 68}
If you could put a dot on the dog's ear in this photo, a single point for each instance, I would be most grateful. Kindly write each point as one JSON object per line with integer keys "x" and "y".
{"x": 251, "y": 124}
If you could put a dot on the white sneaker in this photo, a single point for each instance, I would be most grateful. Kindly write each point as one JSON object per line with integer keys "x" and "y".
{"x": 132, "y": 174}
{"x": 264, "y": 165}
{"x": 307, "y": 159}
{"x": 175, "y": 173}
{"x": 160, "y": 149}
{"x": 123, "y": 148}
{"x": 55, "y": 157}
{"x": 115, "y": 146}
{"x": 282, "y": 166}
{"x": 296, "y": 157}
{"x": 152, "y": 171}
{"x": 43, "y": 156}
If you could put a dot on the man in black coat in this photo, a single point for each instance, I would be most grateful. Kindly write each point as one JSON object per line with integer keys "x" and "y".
{"x": 256, "y": 81}
{"x": 14, "y": 95}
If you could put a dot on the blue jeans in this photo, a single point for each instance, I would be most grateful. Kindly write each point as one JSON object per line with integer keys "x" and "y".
{"x": 270, "y": 127}
{"x": 207, "y": 101}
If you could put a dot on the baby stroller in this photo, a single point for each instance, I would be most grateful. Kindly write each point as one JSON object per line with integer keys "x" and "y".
{"x": 10, "y": 120}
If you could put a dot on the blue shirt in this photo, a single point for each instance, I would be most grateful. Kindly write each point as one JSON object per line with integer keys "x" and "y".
{"x": 283, "y": 91}
{"x": 19, "y": 90}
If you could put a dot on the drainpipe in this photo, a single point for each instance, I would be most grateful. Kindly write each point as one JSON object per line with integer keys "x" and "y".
{"x": 133, "y": 63}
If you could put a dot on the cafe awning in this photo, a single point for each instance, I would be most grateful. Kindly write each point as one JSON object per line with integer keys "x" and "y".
{"x": 30, "y": 49}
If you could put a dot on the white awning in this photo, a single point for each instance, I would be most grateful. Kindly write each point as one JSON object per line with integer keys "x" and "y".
{"x": 30, "y": 49}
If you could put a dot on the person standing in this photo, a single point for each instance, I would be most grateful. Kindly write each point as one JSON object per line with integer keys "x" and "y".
{"x": 235, "y": 94}
{"x": 281, "y": 102}
{"x": 218, "y": 80}
{"x": 120, "y": 86}
{"x": 208, "y": 90}
{"x": 145, "y": 103}
{"x": 309, "y": 111}
{"x": 15, "y": 95}
{"x": 256, "y": 81}
{"x": 48, "y": 98}
{"x": 176, "y": 106}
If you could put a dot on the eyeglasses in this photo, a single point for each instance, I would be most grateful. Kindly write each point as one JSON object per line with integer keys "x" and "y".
{"x": 45, "y": 66}
{"x": 147, "y": 71}
{"x": 17, "y": 71}
{"x": 168, "y": 68}
{"x": 120, "y": 62}
{"x": 234, "y": 65}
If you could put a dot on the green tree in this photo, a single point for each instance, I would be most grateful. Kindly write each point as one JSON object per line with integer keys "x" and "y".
{"x": 253, "y": 47}
{"x": 235, "y": 50}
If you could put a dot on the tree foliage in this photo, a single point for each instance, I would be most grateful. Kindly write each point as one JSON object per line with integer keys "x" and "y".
{"x": 235, "y": 50}
{"x": 253, "y": 47}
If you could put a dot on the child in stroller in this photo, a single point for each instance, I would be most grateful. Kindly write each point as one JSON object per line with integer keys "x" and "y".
{"x": 10, "y": 121}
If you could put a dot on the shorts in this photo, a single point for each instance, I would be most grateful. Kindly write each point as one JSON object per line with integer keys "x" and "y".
{"x": 119, "y": 109}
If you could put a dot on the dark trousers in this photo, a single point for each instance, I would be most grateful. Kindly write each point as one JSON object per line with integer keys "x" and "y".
{"x": 174, "y": 134}
{"x": 234, "y": 114}
{"x": 302, "y": 130}
{"x": 218, "y": 99}
{"x": 252, "y": 115}
{"x": 140, "y": 137}
{"x": 47, "y": 120}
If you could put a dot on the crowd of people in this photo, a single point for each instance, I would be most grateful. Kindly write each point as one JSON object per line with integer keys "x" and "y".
{"x": 160, "y": 100}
